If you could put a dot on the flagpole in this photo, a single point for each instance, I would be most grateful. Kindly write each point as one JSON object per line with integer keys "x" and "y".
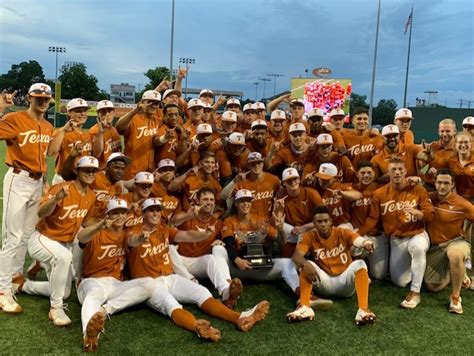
{"x": 408, "y": 61}
{"x": 374, "y": 66}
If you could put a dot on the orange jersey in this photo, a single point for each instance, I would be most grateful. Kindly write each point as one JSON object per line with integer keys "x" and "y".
{"x": 27, "y": 141}
{"x": 299, "y": 209}
{"x": 441, "y": 156}
{"x": 134, "y": 217}
{"x": 104, "y": 255}
{"x": 112, "y": 143}
{"x": 338, "y": 206}
{"x": 345, "y": 170}
{"x": 333, "y": 254}
{"x": 360, "y": 208}
{"x": 337, "y": 138}
{"x": 228, "y": 167}
{"x": 388, "y": 204}
{"x": 168, "y": 149}
{"x": 449, "y": 216}
{"x": 70, "y": 138}
{"x": 263, "y": 192}
{"x": 286, "y": 158}
{"x": 191, "y": 186}
{"x": 254, "y": 147}
{"x": 406, "y": 152}
{"x": 152, "y": 259}
{"x": 463, "y": 176}
{"x": 171, "y": 203}
{"x": 138, "y": 138}
{"x": 190, "y": 128}
{"x": 361, "y": 148}
{"x": 407, "y": 137}
{"x": 104, "y": 191}
{"x": 64, "y": 222}
{"x": 200, "y": 248}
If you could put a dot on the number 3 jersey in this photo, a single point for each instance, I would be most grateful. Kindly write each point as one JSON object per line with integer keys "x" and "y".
{"x": 333, "y": 254}
{"x": 152, "y": 259}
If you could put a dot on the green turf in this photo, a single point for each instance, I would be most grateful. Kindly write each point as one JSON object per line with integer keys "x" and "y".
{"x": 429, "y": 329}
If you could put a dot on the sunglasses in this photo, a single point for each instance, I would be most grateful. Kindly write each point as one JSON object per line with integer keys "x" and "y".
{"x": 40, "y": 92}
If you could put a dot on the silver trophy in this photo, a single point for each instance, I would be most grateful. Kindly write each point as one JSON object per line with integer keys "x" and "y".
{"x": 253, "y": 248}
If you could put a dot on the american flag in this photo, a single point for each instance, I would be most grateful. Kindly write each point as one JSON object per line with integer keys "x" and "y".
{"x": 408, "y": 21}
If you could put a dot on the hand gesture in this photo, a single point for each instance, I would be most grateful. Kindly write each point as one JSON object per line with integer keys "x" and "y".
{"x": 286, "y": 98}
{"x": 279, "y": 205}
{"x": 144, "y": 237}
{"x": 216, "y": 144}
{"x": 221, "y": 100}
{"x": 276, "y": 146}
{"x": 432, "y": 172}
{"x": 182, "y": 72}
{"x": 426, "y": 148}
{"x": 70, "y": 126}
{"x": 328, "y": 126}
{"x": 279, "y": 220}
{"x": 242, "y": 264}
{"x": 413, "y": 180}
{"x": 164, "y": 84}
{"x": 6, "y": 100}
{"x": 241, "y": 176}
{"x": 373, "y": 132}
{"x": 169, "y": 135}
{"x": 311, "y": 272}
{"x": 63, "y": 192}
{"x": 417, "y": 214}
{"x": 368, "y": 246}
{"x": 142, "y": 106}
{"x": 76, "y": 149}
{"x": 103, "y": 125}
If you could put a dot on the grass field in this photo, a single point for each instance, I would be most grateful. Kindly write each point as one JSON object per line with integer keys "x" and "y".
{"x": 428, "y": 330}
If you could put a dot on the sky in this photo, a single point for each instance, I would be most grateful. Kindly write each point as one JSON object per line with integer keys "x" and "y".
{"x": 236, "y": 42}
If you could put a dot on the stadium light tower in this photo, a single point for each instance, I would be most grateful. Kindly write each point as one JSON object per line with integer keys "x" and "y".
{"x": 275, "y": 76}
{"x": 256, "y": 85}
{"x": 57, "y": 50}
{"x": 187, "y": 61}
{"x": 264, "y": 80}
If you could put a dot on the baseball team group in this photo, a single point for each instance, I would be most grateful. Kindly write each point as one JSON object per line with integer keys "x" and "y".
{"x": 144, "y": 206}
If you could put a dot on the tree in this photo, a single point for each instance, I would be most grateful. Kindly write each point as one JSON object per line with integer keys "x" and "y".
{"x": 384, "y": 112}
{"x": 358, "y": 101}
{"x": 156, "y": 76}
{"x": 21, "y": 76}
{"x": 76, "y": 83}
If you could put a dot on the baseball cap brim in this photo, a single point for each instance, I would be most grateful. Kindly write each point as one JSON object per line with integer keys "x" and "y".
{"x": 120, "y": 158}
{"x": 323, "y": 176}
{"x": 177, "y": 92}
{"x": 40, "y": 95}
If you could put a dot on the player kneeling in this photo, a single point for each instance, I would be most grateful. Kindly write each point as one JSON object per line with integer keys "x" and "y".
{"x": 102, "y": 290}
{"x": 152, "y": 259}
{"x": 332, "y": 273}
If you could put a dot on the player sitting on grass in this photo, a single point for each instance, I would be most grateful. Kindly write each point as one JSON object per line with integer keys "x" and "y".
{"x": 332, "y": 271}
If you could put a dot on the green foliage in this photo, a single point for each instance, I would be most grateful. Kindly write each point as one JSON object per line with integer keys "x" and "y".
{"x": 156, "y": 76}
{"x": 76, "y": 83}
{"x": 384, "y": 112}
{"x": 21, "y": 76}
{"x": 358, "y": 101}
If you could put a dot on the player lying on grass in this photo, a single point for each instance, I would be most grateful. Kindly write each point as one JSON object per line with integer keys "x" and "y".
{"x": 152, "y": 259}
{"x": 332, "y": 271}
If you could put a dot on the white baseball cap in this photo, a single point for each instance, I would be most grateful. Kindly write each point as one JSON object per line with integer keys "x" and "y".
{"x": 289, "y": 173}
{"x": 242, "y": 194}
{"x": 144, "y": 178}
{"x": 171, "y": 91}
{"x": 195, "y": 102}
{"x": 229, "y": 116}
{"x": 87, "y": 162}
{"x": 259, "y": 106}
{"x": 327, "y": 171}
{"x": 116, "y": 203}
{"x": 278, "y": 115}
{"x": 297, "y": 102}
{"x": 254, "y": 157}
{"x": 104, "y": 104}
{"x": 118, "y": 156}
{"x": 151, "y": 95}
{"x": 324, "y": 139}
{"x": 236, "y": 138}
{"x": 336, "y": 112}
{"x": 468, "y": 120}
{"x": 233, "y": 101}
{"x": 206, "y": 91}
{"x": 76, "y": 103}
{"x": 316, "y": 112}
{"x": 297, "y": 127}
{"x": 40, "y": 90}
{"x": 258, "y": 123}
{"x": 404, "y": 113}
{"x": 152, "y": 202}
{"x": 203, "y": 129}
{"x": 248, "y": 107}
{"x": 166, "y": 163}
{"x": 207, "y": 105}
{"x": 390, "y": 129}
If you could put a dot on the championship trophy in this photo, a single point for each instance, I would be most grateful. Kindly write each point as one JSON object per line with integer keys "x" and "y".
{"x": 253, "y": 248}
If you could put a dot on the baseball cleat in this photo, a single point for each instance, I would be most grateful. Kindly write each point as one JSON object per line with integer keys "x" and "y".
{"x": 235, "y": 291}
{"x": 250, "y": 317}
{"x": 93, "y": 329}
{"x": 59, "y": 317}
{"x": 9, "y": 305}
{"x": 319, "y": 304}
{"x": 206, "y": 331}
{"x": 301, "y": 313}
{"x": 411, "y": 300}
{"x": 364, "y": 316}
{"x": 455, "y": 305}
{"x": 33, "y": 270}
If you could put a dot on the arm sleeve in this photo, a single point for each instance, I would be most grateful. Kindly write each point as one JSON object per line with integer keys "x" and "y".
{"x": 425, "y": 205}
{"x": 7, "y": 129}
{"x": 373, "y": 217}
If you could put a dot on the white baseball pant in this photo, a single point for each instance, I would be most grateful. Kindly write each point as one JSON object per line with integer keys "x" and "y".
{"x": 212, "y": 266}
{"x": 342, "y": 285}
{"x": 56, "y": 257}
{"x": 111, "y": 294}
{"x": 408, "y": 260}
{"x": 169, "y": 291}
{"x": 178, "y": 266}
{"x": 378, "y": 259}
{"x": 21, "y": 197}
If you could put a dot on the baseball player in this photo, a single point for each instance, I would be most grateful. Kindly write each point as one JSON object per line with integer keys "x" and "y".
{"x": 139, "y": 127}
{"x": 27, "y": 135}
{"x": 151, "y": 259}
{"x": 72, "y": 134}
{"x": 445, "y": 260}
{"x": 331, "y": 271}
{"x": 261, "y": 110}
{"x": 468, "y": 126}
{"x": 207, "y": 96}
{"x": 316, "y": 128}
{"x": 403, "y": 119}
{"x": 201, "y": 141}
{"x": 249, "y": 115}
{"x": 276, "y": 128}
{"x": 227, "y": 124}
{"x": 62, "y": 211}
{"x": 337, "y": 118}
{"x": 259, "y": 138}
{"x": 102, "y": 290}
{"x": 112, "y": 143}
{"x": 403, "y": 210}
{"x": 462, "y": 166}
{"x": 163, "y": 175}
{"x": 196, "y": 109}
{"x": 232, "y": 157}
{"x": 142, "y": 183}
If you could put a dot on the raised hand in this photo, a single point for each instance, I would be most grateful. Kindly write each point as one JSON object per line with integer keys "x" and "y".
{"x": 6, "y": 100}
{"x": 63, "y": 192}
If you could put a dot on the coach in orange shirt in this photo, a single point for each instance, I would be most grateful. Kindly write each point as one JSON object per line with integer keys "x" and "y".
{"x": 62, "y": 211}
{"x": 449, "y": 250}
